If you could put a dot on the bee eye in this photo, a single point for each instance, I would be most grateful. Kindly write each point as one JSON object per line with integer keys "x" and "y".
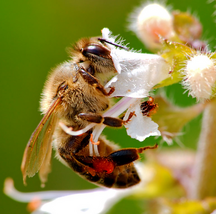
{"x": 96, "y": 50}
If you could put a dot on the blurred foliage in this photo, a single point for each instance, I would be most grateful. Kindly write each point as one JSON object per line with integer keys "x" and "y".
{"x": 187, "y": 27}
{"x": 176, "y": 55}
{"x": 171, "y": 119}
{"x": 162, "y": 205}
{"x": 34, "y": 36}
{"x": 181, "y": 206}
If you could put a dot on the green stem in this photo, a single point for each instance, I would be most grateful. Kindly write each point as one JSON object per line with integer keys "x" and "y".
{"x": 204, "y": 180}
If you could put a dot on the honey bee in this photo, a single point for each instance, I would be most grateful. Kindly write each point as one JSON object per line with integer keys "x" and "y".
{"x": 74, "y": 94}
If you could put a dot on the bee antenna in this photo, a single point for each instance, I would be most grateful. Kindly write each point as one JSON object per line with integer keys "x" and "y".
{"x": 120, "y": 46}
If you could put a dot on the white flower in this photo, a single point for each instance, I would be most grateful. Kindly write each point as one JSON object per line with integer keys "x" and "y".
{"x": 137, "y": 75}
{"x": 92, "y": 201}
{"x": 200, "y": 76}
{"x": 140, "y": 127}
{"x": 150, "y": 22}
{"x": 83, "y": 202}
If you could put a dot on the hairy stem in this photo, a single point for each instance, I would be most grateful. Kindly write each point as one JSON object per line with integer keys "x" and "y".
{"x": 204, "y": 180}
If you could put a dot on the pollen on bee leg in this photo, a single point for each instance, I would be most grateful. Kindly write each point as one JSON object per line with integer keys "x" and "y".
{"x": 103, "y": 165}
{"x": 92, "y": 141}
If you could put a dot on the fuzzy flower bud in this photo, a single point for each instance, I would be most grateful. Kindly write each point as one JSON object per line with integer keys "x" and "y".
{"x": 200, "y": 76}
{"x": 152, "y": 22}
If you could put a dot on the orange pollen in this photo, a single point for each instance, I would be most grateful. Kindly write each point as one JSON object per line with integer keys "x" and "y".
{"x": 103, "y": 165}
{"x": 92, "y": 142}
{"x": 33, "y": 204}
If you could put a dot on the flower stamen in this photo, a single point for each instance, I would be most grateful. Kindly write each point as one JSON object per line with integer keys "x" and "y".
{"x": 69, "y": 130}
{"x": 129, "y": 117}
{"x": 93, "y": 142}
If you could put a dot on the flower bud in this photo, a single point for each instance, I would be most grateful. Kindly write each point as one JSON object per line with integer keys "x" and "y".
{"x": 152, "y": 22}
{"x": 200, "y": 76}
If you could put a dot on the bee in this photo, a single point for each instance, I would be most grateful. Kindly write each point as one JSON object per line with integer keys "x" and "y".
{"x": 74, "y": 94}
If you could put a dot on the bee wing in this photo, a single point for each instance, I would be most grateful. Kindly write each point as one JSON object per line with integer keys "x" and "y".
{"x": 45, "y": 168}
{"x": 37, "y": 153}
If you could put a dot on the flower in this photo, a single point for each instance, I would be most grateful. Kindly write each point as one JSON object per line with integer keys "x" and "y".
{"x": 200, "y": 76}
{"x": 137, "y": 74}
{"x": 100, "y": 200}
{"x": 150, "y": 22}
{"x": 140, "y": 127}
{"x": 88, "y": 202}
{"x": 92, "y": 201}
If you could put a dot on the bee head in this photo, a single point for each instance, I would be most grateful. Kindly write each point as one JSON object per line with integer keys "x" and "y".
{"x": 95, "y": 56}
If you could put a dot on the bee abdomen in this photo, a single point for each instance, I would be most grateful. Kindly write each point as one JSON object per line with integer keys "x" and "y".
{"x": 121, "y": 176}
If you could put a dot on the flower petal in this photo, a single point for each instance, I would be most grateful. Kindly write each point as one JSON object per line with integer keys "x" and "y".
{"x": 140, "y": 127}
{"x": 106, "y": 34}
{"x": 95, "y": 201}
{"x": 138, "y": 73}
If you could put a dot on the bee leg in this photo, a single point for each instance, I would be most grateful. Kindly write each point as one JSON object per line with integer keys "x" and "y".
{"x": 69, "y": 152}
{"x": 97, "y": 118}
{"x": 75, "y": 143}
{"x": 91, "y": 117}
{"x": 126, "y": 156}
{"x": 94, "y": 81}
{"x": 113, "y": 122}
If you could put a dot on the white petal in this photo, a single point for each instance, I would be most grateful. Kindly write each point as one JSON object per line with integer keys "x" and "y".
{"x": 106, "y": 34}
{"x": 140, "y": 127}
{"x": 138, "y": 73}
{"x": 90, "y": 202}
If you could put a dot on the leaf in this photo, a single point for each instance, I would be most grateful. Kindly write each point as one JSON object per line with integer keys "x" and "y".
{"x": 176, "y": 55}
{"x": 171, "y": 119}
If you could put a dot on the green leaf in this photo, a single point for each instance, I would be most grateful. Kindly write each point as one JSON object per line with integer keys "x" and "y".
{"x": 158, "y": 181}
{"x": 176, "y": 55}
{"x": 171, "y": 119}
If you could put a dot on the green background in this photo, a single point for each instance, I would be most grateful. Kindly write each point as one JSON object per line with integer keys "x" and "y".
{"x": 33, "y": 39}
